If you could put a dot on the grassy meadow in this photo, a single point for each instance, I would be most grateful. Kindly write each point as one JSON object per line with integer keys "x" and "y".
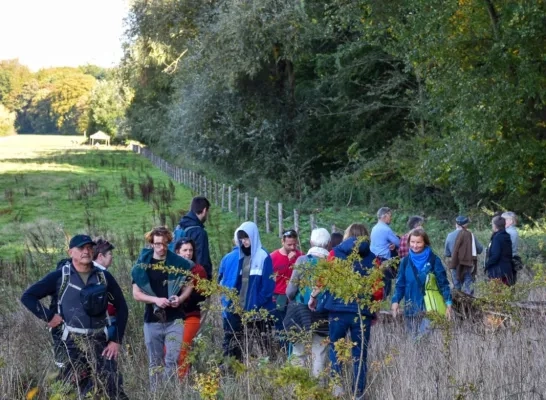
{"x": 52, "y": 188}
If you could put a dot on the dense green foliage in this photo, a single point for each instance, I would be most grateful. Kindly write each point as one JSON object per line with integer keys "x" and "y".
{"x": 405, "y": 97}
{"x": 62, "y": 100}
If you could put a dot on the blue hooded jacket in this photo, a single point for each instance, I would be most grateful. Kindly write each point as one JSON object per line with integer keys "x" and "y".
{"x": 261, "y": 282}
{"x": 409, "y": 289}
{"x": 343, "y": 251}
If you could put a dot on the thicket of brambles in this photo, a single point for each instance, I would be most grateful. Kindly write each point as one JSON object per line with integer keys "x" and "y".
{"x": 439, "y": 103}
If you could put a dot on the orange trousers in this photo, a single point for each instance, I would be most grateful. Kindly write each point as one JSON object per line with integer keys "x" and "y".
{"x": 191, "y": 327}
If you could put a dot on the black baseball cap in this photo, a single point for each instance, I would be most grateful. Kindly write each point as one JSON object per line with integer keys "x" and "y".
{"x": 462, "y": 220}
{"x": 80, "y": 240}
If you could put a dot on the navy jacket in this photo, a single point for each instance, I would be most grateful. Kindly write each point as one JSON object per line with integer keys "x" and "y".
{"x": 50, "y": 285}
{"x": 201, "y": 239}
{"x": 499, "y": 257}
{"x": 362, "y": 266}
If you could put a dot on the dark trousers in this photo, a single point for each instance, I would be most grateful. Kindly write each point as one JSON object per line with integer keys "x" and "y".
{"x": 237, "y": 338}
{"x": 84, "y": 366}
{"x": 279, "y": 315}
{"x": 339, "y": 324}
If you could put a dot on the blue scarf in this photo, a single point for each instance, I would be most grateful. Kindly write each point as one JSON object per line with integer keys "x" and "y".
{"x": 420, "y": 259}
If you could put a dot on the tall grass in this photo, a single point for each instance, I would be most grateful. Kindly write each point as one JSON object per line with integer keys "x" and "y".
{"x": 49, "y": 196}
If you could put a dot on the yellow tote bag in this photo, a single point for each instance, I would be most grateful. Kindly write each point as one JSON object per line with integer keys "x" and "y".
{"x": 434, "y": 301}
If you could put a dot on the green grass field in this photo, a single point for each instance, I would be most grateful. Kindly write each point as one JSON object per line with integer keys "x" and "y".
{"x": 52, "y": 188}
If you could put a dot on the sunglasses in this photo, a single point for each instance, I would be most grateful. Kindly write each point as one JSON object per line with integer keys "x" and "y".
{"x": 291, "y": 233}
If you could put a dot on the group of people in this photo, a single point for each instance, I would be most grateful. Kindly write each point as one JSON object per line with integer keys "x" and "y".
{"x": 263, "y": 295}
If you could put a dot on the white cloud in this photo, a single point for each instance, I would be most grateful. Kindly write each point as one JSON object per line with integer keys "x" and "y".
{"x": 43, "y": 33}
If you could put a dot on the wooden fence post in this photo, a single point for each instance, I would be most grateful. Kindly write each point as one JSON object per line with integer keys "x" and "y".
{"x": 280, "y": 220}
{"x": 312, "y": 221}
{"x": 296, "y": 221}
{"x": 229, "y": 199}
{"x": 267, "y": 222}
{"x": 238, "y": 203}
{"x": 256, "y": 210}
{"x": 223, "y": 195}
{"x": 333, "y": 228}
{"x": 246, "y": 206}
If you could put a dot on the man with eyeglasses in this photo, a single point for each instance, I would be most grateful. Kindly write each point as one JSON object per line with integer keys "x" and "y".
{"x": 162, "y": 274}
{"x": 80, "y": 292}
{"x": 283, "y": 260}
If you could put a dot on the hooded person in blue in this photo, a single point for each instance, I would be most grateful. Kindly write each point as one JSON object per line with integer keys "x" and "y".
{"x": 349, "y": 317}
{"x": 412, "y": 275}
{"x": 247, "y": 270}
{"x": 192, "y": 226}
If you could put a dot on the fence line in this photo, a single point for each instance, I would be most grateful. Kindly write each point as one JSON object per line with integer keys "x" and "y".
{"x": 210, "y": 189}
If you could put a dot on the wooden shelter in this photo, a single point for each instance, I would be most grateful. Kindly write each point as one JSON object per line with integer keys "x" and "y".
{"x": 100, "y": 135}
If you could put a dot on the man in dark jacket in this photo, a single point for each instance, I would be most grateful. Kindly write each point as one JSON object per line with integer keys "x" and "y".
{"x": 193, "y": 225}
{"x": 499, "y": 253}
{"x": 80, "y": 292}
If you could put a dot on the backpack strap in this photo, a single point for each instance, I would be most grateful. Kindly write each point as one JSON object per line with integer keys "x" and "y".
{"x": 102, "y": 280}
{"x": 189, "y": 228}
{"x": 64, "y": 285}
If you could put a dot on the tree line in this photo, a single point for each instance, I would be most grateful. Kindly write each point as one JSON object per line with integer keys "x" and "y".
{"x": 424, "y": 100}
{"x": 61, "y": 100}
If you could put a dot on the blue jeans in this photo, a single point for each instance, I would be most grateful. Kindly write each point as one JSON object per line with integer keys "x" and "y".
{"x": 466, "y": 284}
{"x": 339, "y": 324}
{"x": 417, "y": 326}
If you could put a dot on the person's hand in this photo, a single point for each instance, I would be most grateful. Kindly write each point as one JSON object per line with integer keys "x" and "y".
{"x": 55, "y": 321}
{"x": 395, "y": 308}
{"x": 111, "y": 351}
{"x": 175, "y": 301}
{"x": 449, "y": 313}
{"x": 312, "y": 304}
{"x": 392, "y": 246}
{"x": 162, "y": 302}
{"x": 292, "y": 255}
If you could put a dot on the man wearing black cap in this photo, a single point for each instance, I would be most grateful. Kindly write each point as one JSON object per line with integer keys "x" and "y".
{"x": 81, "y": 291}
{"x": 463, "y": 248}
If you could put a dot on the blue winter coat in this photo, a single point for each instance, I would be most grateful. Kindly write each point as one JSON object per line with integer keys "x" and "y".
{"x": 409, "y": 289}
{"x": 363, "y": 267}
{"x": 499, "y": 257}
{"x": 194, "y": 229}
{"x": 261, "y": 282}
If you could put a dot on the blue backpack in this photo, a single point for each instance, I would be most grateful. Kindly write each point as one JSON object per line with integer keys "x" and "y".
{"x": 179, "y": 233}
{"x": 304, "y": 294}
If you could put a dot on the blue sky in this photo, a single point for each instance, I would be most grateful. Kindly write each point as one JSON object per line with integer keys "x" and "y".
{"x": 45, "y": 33}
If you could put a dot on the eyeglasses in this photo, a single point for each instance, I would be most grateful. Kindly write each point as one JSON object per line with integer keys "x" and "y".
{"x": 159, "y": 245}
{"x": 291, "y": 233}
